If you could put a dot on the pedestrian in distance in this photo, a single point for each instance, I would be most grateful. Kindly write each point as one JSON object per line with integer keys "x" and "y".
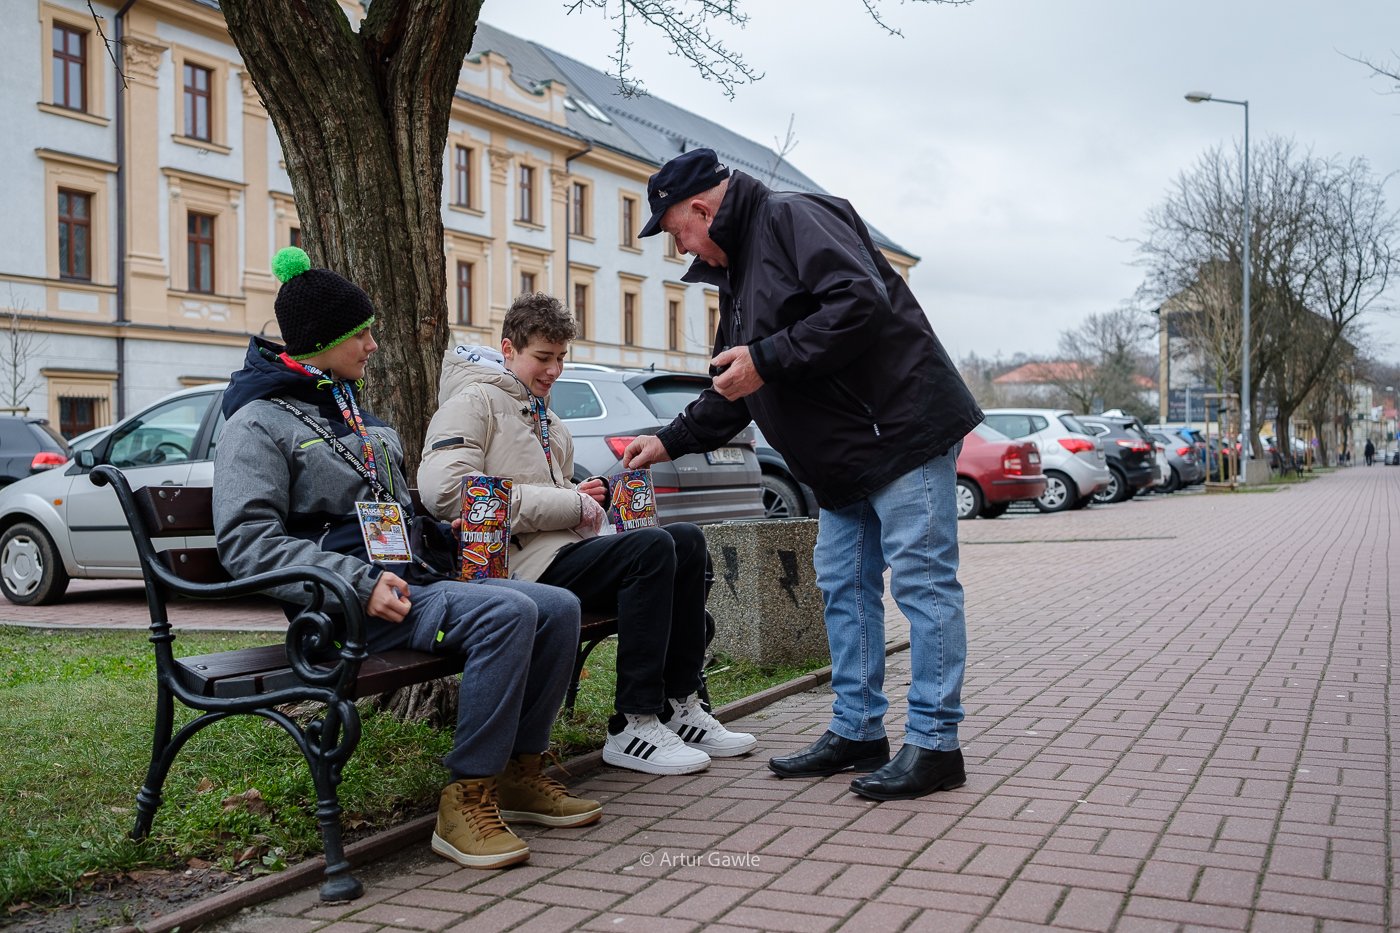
{"x": 298, "y": 465}
{"x": 823, "y": 344}
{"x": 494, "y": 419}
{"x": 1369, "y": 452}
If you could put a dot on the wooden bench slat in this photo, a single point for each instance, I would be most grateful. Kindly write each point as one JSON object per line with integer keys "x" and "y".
{"x": 176, "y": 510}
{"x": 195, "y": 564}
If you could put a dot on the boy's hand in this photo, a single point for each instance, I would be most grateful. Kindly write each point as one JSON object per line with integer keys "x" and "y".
{"x": 592, "y": 517}
{"x": 389, "y": 601}
{"x": 594, "y": 488}
{"x": 643, "y": 452}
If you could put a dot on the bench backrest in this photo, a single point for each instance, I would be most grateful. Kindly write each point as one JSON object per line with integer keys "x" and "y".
{"x": 181, "y": 511}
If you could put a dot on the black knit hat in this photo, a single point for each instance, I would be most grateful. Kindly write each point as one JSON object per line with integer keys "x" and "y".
{"x": 316, "y": 308}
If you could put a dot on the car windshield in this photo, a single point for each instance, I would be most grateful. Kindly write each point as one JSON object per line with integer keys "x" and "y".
{"x": 989, "y": 433}
{"x": 668, "y": 397}
{"x": 1072, "y": 423}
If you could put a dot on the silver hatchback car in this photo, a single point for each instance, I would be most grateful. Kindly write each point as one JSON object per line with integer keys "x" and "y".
{"x": 1072, "y": 459}
{"x": 57, "y": 525}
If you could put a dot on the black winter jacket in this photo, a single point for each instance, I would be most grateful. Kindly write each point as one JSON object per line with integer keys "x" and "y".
{"x": 857, "y": 388}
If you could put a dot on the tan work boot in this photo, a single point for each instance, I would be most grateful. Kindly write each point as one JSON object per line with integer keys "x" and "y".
{"x": 528, "y": 795}
{"x": 469, "y": 827}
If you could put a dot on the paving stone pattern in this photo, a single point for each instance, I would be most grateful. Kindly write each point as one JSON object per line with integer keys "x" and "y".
{"x": 1178, "y": 717}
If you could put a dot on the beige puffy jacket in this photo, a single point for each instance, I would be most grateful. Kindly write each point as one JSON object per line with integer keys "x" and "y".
{"x": 483, "y": 427}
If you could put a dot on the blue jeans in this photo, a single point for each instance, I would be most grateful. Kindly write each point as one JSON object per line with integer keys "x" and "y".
{"x": 517, "y": 641}
{"x": 910, "y": 526}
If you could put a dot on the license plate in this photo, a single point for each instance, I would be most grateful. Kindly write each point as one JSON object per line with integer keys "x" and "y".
{"x": 726, "y": 455}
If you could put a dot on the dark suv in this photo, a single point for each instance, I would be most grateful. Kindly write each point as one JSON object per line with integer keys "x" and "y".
{"x": 1132, "y": 456}
{"x": 28, "y": 446}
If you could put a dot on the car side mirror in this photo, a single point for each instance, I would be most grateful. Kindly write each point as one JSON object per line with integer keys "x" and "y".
{"x": 85, "y": 459}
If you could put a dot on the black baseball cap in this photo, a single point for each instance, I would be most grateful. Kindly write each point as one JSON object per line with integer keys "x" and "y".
{"x": 687, "y": 174}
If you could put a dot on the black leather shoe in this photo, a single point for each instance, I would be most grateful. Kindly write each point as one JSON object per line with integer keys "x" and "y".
{"x": 832, "y": 754}
{"x": 914, "y": 772}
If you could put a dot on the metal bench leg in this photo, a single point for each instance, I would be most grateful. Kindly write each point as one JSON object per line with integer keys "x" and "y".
{"x": 148, "y": 799}
{"x": 327, "y": 749}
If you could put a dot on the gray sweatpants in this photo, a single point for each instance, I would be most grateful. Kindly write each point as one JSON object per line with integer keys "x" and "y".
{"x": 517, "y": 641}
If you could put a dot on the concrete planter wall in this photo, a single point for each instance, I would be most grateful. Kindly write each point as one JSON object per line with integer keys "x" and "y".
{"x": 765, "y": 600}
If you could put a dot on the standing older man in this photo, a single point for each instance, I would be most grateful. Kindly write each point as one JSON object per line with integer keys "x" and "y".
{"x": 823, "y": 344}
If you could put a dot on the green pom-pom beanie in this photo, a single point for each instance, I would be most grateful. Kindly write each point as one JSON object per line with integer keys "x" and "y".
{"x": 290, "y": 261}
{"x": 316, "y": 308}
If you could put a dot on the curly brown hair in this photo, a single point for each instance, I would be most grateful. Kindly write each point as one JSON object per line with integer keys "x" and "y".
{"x": 538, "y": 315}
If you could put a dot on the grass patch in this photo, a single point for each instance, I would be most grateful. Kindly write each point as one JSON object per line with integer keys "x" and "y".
{"x": 79, "y": 708}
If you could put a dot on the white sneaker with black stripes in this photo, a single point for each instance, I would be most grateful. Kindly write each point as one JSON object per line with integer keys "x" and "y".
{"x": 698, "y": 729}
{"x": 644, "y": 744}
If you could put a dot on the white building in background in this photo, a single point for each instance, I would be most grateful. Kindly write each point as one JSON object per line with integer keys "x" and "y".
{"x": 141, "y": 219}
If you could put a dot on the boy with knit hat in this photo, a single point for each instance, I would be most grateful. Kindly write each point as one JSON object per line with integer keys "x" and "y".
{"x": 298, "y": 463}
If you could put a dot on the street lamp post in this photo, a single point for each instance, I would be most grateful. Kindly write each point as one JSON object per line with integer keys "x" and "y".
{"x": 1246, "y": 447}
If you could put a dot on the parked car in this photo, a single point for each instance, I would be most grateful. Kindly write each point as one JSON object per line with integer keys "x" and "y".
{"x": 1071, "y": 458}
{"x": 1131, "y": 455}
{"x": 88, "y": 438}
{"x": 57, "y": 526}
{"x": 28, "y": 446}
{"x": 783, "y": 495}
{"x": 995, "y": 471}
{"x": 606, "y": 409}
{"x": 1185, "y": 467}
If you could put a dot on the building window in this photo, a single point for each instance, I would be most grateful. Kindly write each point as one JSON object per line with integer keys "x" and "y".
{"x": 198, "y": 119}
{"x": 464, "y": 293}
{"x": 671, "y": 251}
{"x": 712, "y": 313}
{"x": 74, "y": 234}
{"x": 629, "y": 319}
{"x": 69, "y": 67}
{"x": 201, "y": 253}
{"x": 527, "y": 283}
{"x": 578, "y": 215}
{"x": 294, "y": 237}
{"x": 673, "y": 324}
{"x": 76, "y": 415}
{"x": 629, "y": 221}
{"x": 527, "y": 194}
{"x": 581, "y": 309}
{"x": 462, "y": 177}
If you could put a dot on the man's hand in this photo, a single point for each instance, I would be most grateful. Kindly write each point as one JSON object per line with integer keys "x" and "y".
{"x": 389, "y": 601}
{"x": 644, "y": 451}
{"x": 740, "y": 378}
{"x": 594, "y": 489}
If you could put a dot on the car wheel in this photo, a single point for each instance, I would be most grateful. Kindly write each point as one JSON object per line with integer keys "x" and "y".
{"x": 969, "y": 499}
{"x": 1116, "y": 490}
{"x": 31, "y": 572}
{"x": 1173, "y": 482}
{"x": 781, "y": 499}
{"x": 994, "y": 509}
{"x": 1059, "y": 493}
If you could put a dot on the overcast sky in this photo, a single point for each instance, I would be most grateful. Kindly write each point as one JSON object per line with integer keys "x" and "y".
{"x": 1017, "y": 145}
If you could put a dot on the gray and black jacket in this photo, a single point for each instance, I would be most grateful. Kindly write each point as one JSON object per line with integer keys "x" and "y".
{"x": 857, "y": 388}
{"x": 282, "y": 495}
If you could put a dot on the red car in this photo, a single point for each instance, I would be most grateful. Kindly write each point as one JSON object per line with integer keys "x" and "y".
{"x": 995, "y": 471}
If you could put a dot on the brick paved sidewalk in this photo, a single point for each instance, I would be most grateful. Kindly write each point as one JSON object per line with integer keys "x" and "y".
{"x": 1178, "y": 717}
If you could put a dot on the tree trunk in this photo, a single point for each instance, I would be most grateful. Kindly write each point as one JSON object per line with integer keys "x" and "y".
{"x": 363, "y": 120}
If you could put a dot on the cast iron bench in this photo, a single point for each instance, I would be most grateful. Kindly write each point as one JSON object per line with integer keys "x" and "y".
{"x": 323, "y": 659}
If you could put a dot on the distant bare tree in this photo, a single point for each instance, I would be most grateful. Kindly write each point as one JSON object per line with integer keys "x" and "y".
{"x": 1322, "y": 247}
{"x": 20, "y": 343}
{"x": 1100, "y": 362}
{"x": 1387, "y": 70}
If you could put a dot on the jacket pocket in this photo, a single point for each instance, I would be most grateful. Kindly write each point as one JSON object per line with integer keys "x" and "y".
{"x": 855, "y": 402}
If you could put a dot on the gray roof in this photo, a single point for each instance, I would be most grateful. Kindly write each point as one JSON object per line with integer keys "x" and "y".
{"x": 646, "y": 128}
